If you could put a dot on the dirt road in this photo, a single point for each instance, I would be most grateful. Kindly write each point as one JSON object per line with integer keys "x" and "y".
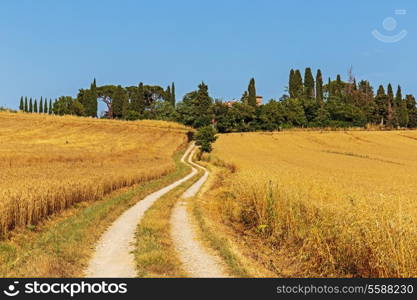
{"x": 113, "y": 255}
{"x": 197, "y": 262}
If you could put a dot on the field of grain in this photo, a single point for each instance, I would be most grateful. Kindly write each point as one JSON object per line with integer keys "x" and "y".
{"x": 48, "y": 163}
{"x": 338, "y": 203}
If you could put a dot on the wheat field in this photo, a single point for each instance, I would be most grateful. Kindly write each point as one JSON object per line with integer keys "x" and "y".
{"x": 338, "y": 203}
{"x": 48, "y": 163}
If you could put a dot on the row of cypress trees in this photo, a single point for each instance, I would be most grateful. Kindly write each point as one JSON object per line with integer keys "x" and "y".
{"x": 344, "y": 100}
{"x": 31, "y": 106}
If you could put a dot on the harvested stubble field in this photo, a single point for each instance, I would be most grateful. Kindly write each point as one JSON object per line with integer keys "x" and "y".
{"x": 48, "y": 163}
{"x": 334, "y": 203}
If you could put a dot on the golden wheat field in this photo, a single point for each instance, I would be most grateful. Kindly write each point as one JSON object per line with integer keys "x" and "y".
{"x": 339, "y": 203}
{"x": 48, "y": 163}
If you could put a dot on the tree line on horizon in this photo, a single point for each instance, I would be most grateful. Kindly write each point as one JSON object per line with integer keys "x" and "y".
{"x": 33, "y": 107}
{"x": 309, "y": 102}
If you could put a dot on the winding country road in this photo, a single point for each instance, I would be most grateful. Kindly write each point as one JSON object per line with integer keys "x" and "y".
{"x": 197, "y": 262}
{"x": 113, "y": 256}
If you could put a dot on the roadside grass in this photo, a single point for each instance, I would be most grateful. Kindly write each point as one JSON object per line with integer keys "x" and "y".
{"x": 155, "y": 253}
{"x": 210, "y": 235}
{"x": 215, "y": 233}
{"x": 61, "y": 245}
{"x": 217, "y": 242}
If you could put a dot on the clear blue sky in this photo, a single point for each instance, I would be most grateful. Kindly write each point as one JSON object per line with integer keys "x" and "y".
{"x": 52, "y": 48}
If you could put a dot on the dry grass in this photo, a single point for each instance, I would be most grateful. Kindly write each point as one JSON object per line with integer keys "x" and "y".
{"x": 64, "y": 243}
{"x": 49, "y": 163}
{"x": 338, "y": 203}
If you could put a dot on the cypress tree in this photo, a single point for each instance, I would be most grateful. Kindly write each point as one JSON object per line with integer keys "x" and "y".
{"x": 308, "y": 83}
{"x": 252, "y": 93}
{"x": 141, "y": 98}
{"x": 291, "y": 85}
{"x": 93, "y": 105}
{"x": 50, "y": 110}
{"x": 30, "y": 105}
{"x": 400, "y": 111}
{"x": 390, "y": 101}
{"x": 380, "y": 91}
{"x": 397, "y": 107}
{"x": 338, "y": 86}
{"x": 398, "y": 97}
{"x": 21, "y": 105}
{"x": 298, "y": 84}
{"x": 319, "y": 87}
{"x": 173, "y": 100}
{"x": 41, "y": 106}
{"x": 26, "y": 105}
{"x": 35, "y": 106}
{"x": 45, "y": 108}
{"x": 168, "y": 95}
{"x": 381, "y": 103}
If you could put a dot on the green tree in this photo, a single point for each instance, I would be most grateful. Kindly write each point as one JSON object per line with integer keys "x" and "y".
{"x": 203, "y": 104}
{"x": 294, "y": 113}
{"x": 291, "y": 85}
{"x": 88, "y": 98}
{"x": 66, "y": 105}
{"x": 400, "y": 109}
{"x": 21, "y": 105}
{"x": 196, "y": 108}
{"x": 173, "y": 99}
{"x": 243, "y": 116}
{"x": 26, "y": 108}
{"x": 163, "y": 110}
{"x": 41, "y": 105}
{"x": 205, "y": 137}
{"x": 136, "y": 95}
{"x": 223, "y": 120}
{"x": 168, "y": 95}
{"x": 390, "y": 101}
{"x": 381, "y": 104}
{"x": 319, "y": 88}
{"x": 93, "y": 104}
{"x": 152, "y": 93}
{"x": 252, "y": 93}
{"x": 298, "y": 84}
{"x": 271, "y": 116}
{"x": 308, "y": 84}
{"x": 119, "y": 102}
{"x": 30, "y": 105}
{"x": 412, "y": 111}
{"x": 338, "y": 86}
{"x": 50, "y": 110}
{"x": 344, "y": 114}
{"x": 45, "y": 107}
{"x": 35, "y": 106}
{"x": 322, "y": 118}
